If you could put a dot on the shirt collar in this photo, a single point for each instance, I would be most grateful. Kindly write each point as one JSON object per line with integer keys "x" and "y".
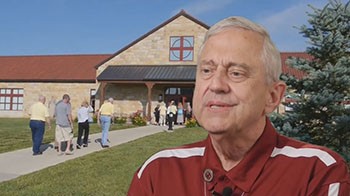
{"x": 247, "y": 171}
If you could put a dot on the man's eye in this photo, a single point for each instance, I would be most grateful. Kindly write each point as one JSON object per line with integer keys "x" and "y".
{"x": 206, "y": 71}
{"x": 236, "y": 74}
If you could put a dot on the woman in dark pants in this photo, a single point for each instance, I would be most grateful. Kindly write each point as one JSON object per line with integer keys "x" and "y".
{"x": 83, "y": 124}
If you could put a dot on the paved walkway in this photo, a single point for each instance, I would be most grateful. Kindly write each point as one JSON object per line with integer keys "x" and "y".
{"x": 20, "y": 162}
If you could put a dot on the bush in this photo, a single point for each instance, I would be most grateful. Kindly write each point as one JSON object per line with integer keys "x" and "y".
{"x": 137, "y": 119}
{"x": 191, "y": 123}
{"x": 120, "y": 120}
{"x": 94, "y": 118}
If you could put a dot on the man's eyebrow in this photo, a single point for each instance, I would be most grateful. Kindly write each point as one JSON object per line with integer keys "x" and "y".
{"x": 207, "y": 62}
{"x": 242, "y": 65}
{"x": 227, "y": 65}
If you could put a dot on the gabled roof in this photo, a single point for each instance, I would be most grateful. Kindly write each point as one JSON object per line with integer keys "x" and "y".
{"x": 185, "y": 73}
{"x": 181, "y": 13}
{"x": 50, "y": 68}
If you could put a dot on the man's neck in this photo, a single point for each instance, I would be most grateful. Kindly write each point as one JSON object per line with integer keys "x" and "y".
{"x": 231, "y": 148}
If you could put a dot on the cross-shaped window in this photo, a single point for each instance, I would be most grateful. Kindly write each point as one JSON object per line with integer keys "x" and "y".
{"x": 181, "y": 48}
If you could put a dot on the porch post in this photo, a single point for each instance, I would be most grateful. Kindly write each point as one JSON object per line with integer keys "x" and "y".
{"x": 102, "y": 92}
{"x": 149, "y": 109}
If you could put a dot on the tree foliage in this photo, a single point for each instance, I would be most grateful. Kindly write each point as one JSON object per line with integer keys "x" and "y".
{"x": 320, "y": 112}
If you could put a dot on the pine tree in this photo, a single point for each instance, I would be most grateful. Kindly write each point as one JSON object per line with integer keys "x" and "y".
{"x": 320, "y": 112}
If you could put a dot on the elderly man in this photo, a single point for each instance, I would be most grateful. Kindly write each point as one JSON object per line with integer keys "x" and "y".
{"x": 64, "y": 124}
{"x": 39, "y": 115}
{"x": 237, "y": 86}
{"x": 104, "y": 116}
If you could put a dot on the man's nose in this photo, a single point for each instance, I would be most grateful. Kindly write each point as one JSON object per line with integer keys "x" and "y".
{"x": 219, "y": 82}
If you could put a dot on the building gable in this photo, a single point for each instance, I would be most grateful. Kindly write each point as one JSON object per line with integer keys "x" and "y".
{"x": 153, "y": 47}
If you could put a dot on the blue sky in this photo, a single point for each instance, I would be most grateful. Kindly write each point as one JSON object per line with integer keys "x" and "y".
{"x": 50, "y": 27}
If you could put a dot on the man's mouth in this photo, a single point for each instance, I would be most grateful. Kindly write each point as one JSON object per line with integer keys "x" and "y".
{"x": 217, "y": 105}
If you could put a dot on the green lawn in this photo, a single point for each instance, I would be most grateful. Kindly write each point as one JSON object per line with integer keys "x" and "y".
{"x": 15, "y": 133}
{"x": 107, "y": 172}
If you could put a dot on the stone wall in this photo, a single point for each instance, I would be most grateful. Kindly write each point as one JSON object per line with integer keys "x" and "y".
{"x": 53, "y": 93}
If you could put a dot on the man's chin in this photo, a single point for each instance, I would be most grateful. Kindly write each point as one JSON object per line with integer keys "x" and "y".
{"x": 214, "y": 128}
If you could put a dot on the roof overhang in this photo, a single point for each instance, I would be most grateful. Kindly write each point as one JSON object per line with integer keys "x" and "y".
{"x": 144, "y": 73}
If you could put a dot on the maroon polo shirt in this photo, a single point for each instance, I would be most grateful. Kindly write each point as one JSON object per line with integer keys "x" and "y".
{"x": 275, "y": 165}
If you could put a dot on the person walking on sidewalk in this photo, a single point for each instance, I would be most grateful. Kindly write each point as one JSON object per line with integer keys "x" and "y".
{"x": 162, "y": 114}
{"x": 83, "y": 124}
{"x": 104, "y": 117}
{"x": 171, "y": 113}
{"x": 39, "y": 115}
{"x": 64, "y": 124}
{"x": 157, "y": 114}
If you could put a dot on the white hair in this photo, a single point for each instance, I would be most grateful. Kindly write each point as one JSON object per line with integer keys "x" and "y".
{"x": 270, "y": 55}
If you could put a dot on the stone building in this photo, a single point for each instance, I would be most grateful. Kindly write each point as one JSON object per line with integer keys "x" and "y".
{"x": 158, "y": 66}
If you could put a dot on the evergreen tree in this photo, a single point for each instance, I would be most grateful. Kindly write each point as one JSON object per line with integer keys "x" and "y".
{"x": 320, "y": 112}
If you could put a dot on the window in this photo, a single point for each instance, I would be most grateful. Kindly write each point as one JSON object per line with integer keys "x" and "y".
{"x": 172, "y": 91}
{"x": 178, "y": 94}
{"x": 11, "y": 99}
{"x": 178, "y": 91}
{"x": 181, "y": 48}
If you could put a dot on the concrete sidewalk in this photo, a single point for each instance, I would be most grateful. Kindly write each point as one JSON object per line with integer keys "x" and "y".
{"x": 20, "y": 162}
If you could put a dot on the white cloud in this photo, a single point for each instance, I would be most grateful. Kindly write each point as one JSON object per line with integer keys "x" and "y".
{"x": 281, "y": 25}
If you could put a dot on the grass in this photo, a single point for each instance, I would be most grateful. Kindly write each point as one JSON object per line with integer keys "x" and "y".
{"x": 108, "y": 172}
{"x": 16, "y": 134}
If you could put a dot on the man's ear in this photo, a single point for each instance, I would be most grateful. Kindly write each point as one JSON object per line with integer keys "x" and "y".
{"x": 274, "y": 96}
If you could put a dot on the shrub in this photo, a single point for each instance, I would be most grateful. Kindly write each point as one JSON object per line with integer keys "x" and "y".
{"x": 94, "y": 118}
{"x": 120, "y": 120}
{"x": 137, "y": 119}
{"x": 191, "y": 123}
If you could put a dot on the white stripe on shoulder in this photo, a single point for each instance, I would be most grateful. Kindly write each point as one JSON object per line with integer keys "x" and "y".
{"x": 289, "y": 151}
{"x": 334, "y": 189}
{"x": 179, "y": 153}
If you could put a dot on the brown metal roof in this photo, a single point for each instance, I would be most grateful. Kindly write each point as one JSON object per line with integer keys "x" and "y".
{"x": 149, "y": 73}
{"x": 50, "y": 68}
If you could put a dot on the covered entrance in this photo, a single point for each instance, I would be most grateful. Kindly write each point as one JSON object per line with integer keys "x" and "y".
{"x": 181, "y": 94}
{"x": 147, "y": 85}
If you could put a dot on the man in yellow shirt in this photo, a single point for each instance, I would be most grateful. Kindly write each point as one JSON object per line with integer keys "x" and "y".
{"x": 39, "y": 114}
{"x": 104, "y": 116}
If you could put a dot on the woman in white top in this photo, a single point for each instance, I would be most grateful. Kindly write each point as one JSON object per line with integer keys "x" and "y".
{"x": 83, "y": 124}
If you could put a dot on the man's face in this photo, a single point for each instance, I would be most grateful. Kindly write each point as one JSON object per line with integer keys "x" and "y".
{"x": 231, "y": 90}
{"x": 66, "y": 100}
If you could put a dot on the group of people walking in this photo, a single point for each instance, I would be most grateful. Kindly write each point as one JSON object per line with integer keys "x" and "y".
{"x": 172, "y": 114}
{"x": 39, "y": 116}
